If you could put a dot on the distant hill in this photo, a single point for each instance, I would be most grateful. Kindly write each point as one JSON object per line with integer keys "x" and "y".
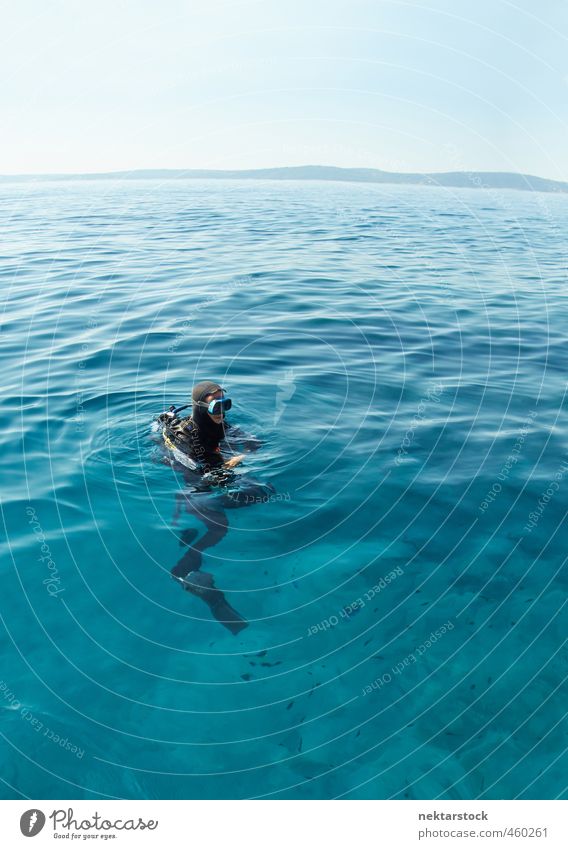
{"x": 454, "y": 179}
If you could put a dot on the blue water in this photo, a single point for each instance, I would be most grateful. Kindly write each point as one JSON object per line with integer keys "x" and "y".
{"x": 402, "y": 352}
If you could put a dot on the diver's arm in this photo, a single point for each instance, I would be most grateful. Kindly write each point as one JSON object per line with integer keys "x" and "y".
{"x": 215, "y": 460}
{"x": 234, "y": 461}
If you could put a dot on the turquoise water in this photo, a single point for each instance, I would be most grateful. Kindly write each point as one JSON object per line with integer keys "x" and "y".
{"x": 402, "y": 353}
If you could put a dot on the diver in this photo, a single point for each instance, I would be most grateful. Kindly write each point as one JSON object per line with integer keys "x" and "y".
{"x": 195, "y": 446}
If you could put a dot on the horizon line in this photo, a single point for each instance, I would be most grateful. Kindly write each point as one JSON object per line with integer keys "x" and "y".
{"x": 265, "y": 168}
{"x": 464, "y": 178}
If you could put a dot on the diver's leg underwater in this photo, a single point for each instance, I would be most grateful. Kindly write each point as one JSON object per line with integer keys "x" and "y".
{"x": 211, "y": 493}
{"x": 201, "y": 584}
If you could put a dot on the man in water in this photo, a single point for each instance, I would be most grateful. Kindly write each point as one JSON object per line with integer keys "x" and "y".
{"x": 198, "y": 438}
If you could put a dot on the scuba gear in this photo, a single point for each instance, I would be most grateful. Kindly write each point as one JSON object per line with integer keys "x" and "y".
{"x": 177, "y": 437}
{"x": 194, "y": 440}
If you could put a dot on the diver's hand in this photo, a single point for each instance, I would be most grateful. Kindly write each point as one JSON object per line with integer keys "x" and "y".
{"x": 234, "y": 461}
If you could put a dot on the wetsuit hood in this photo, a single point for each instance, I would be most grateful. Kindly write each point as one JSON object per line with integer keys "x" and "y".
{"x": 210, "y": 433}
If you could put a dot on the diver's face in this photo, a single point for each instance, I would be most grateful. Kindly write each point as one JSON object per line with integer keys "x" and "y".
{"x": 215, "y": 397}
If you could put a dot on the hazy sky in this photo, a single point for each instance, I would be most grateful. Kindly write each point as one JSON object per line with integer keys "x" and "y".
{"x": 435, "y": 85}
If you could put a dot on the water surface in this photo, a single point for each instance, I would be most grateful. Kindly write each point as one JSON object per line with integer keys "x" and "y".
{"x": 401, "y": 351}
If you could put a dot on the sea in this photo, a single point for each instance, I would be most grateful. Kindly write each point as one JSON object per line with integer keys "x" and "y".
{"x": 401, "y": 353}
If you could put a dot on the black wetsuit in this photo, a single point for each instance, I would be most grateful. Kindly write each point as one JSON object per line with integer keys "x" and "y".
{"x": 198, "y": 438}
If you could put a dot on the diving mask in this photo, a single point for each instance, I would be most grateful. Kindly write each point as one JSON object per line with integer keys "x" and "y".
{"x": 218, "y": 406}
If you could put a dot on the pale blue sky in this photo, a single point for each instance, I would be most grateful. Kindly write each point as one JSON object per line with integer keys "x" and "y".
{"x": 435, "y": 85}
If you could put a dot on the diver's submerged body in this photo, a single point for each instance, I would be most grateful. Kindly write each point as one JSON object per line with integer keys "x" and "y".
{"x": 195, "y": 445}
